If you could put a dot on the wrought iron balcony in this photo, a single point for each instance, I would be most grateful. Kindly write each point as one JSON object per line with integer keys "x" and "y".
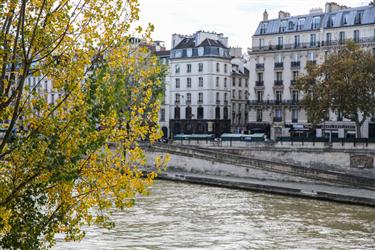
{"x": 177, "y": 102}
{"x": 259, "y": 83}
{"x": 279, "y": 65}
{"x": 296, "y": 64}
{"x": 277, "y": 119}
{"x": 279, "y": 82}
{"x": 295, "y": 120}
{"x": 259, "y": 66}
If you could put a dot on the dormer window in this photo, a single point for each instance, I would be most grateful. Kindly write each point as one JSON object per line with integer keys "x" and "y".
{"x": 263, "y": 28}
{"x": 345, "y": 19}
{"x": 290, "y": 25}
{"x": 316, "y": 22}
{"x": 330, "y": 21}
{"x": 283, "y": 26}
{"x": 358, "y": 18}
{"x": 301, "y": 23}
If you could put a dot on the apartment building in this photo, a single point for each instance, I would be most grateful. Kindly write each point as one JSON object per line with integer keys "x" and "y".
{"x": 200, "y": 71}
{"x": 282, "y": 47}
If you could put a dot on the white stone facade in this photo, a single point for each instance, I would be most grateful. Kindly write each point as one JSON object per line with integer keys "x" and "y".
{"x": 280, "y": 50}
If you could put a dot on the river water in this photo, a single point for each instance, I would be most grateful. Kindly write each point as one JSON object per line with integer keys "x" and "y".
{"x": 187, "y": 216}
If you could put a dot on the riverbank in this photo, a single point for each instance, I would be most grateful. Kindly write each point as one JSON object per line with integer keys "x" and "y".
{"x": 341, "y": 194}
{"x": 218, "y": 167}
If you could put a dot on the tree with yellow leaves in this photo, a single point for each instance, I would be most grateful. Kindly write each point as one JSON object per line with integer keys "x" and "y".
{"x": 73, "y": 159}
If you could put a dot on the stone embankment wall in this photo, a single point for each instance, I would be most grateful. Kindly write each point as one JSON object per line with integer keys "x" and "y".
{"x": 240, "y": 163}
{"x": 327, "y": 157}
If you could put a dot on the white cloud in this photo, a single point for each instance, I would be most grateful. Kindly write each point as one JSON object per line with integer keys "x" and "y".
{"x": 237, "y": 19}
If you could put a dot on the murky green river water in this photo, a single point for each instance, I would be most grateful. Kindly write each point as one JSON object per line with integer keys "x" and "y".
{"x": 186, "y": 216}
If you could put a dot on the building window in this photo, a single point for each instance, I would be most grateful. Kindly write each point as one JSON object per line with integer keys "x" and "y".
{"x": 330, "y": 21}
{"x": 278, "y": 115}
{"x": 345, "y": 19}
{"x": 261, "y": 43}
{"x": 233, "y": 94}
{"x": 312, "y": 40}
{"x": 239, "y": 82}
{"x": 279, "y": 96}
{"x": 162, "y": 115}
{"x": 328, "y": 38}
{"x": 200, "y": 67}
{"x": 259, "y": 115}
{"x": 200, "y": 82}
{"x": 316, "y": 22}
{"x": 177, "y": 83}
{"x": 260, "y": 76}
{"x": 217, "y": 98}
{"x": 225, "y": 82}
{"x": 53, "y": 98}
{"x": 217, "y": 113}
{"x": 225, "y": 113}
{"x": 188, "y": 114}
{"x": 358, "y": 17}
{"x": 188, "y": 82}
{"x": 177, "y": 113}
{"x": 188, "y": 68}
{"x": 246, "y": 82}
{"x": 217, "y": 67}
{"x": 200, "y": 97}
{"x": 295, "y": 115}
{"x": 280, "y": 42}
{"x": 177, "y": 98}
{"x": 177, "y": 68}
{"x": 217, "y": 82}
{"x": 234, "y": 82}
{"x": 297, "y": 41}
{"x": 188, "y": 98}
{"x": 225, "y": 68}
{"x": 225, "y": 97}
{"x": 239, "y": 94}
{"x": 279, "y": 76}
{"x": 295, "y": 97}
{"x": 200, "y": 112}
{"x": 342, "y": 37}
{"x": 259, "y": 96}
{"x": 356, "y": 36}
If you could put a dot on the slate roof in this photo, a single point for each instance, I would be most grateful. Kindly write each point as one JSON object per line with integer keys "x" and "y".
{"x": 274, "y": 26}
{"x": 190, "y": 43}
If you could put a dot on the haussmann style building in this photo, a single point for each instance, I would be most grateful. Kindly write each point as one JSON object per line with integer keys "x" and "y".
{"x": 282, "y": 47}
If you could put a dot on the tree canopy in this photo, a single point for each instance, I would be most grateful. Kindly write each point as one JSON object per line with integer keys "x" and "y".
{"x": 73, "y": 159}
{"x": 344, "y": 83}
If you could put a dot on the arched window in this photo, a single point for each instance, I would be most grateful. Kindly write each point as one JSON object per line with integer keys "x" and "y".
{"x": 217, "y": 113}
{"x": 200, "y": 113}
{"x": 177, "y": 113}
{"x": 188, "y": 115}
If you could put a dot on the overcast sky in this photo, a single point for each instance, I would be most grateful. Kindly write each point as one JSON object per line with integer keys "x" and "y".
{"x": 236, "y": 19}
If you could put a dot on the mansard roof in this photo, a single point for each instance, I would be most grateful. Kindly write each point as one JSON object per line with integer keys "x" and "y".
{"x": 190, "y": 43}
{"x": 333, "y": 19}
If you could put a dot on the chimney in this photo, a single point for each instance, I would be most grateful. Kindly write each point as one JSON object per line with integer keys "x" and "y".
{"x": 265, "y": 15}
{"x": 316, "y": 11}
{"x": 283, "y": 14}
{"x": 332, "y": 7}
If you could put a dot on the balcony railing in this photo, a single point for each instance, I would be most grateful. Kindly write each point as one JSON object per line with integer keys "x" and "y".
{"x": 225, "y": 102}
{"x": 311, "y": 61}
{"x": 294, "y": 120}
{"x": 296, "y": 64}
{"x": 318, "y": 44}
{"x": 188, "y": 102}
{"x": 277, "y": 119}
{"x": 177, "y": 102}
{"x": 218, "y": 102}
{"x": 279, "y": 65}
{"x": 259, "y": 66}
{"x": 200, "y": 101}
{"x": 259, "y": 83}
{"x": 279, "y": 82}
{"x": 273, "y": 102}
